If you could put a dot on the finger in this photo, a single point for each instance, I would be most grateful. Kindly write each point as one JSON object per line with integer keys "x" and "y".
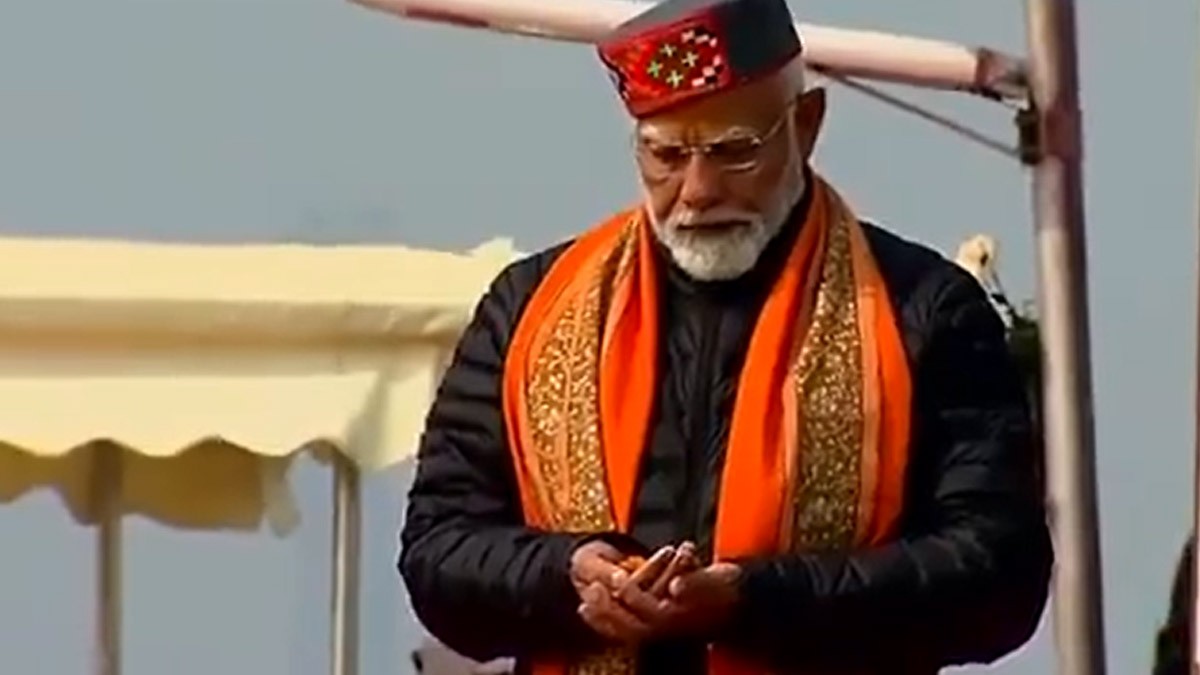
{"x": 682, "y": 559}
{"x": 648, "y": 573}
{"x": 601, "y": 623}
{"x": 648, "y": 608}
{"x": 691, "y": 559}
{"x": 594, "y": 569}
{"x": 591, "y": 611}
{"x": 601, "y": 609}
{"x": 691, "y": 555}
{"x": 672, "y": 570}
{"x": 618, "y": 613}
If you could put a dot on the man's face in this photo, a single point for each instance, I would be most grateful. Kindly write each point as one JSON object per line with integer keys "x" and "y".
{"x": 722, "y": 175}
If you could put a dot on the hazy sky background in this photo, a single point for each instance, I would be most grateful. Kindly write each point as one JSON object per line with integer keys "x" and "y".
{"x": 317, "y": 121}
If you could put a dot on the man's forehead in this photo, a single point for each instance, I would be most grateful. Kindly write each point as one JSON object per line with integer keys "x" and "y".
{"x": 697, "y": 131}
{"x": 747, "y": 110}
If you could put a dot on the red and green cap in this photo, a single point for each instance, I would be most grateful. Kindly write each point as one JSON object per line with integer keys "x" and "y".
{"x": 682, "y": 50}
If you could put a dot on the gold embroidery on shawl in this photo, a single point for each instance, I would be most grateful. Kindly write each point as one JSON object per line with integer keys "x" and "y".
{"x": 563, "y": 400}
{"x": 829, "y": 381}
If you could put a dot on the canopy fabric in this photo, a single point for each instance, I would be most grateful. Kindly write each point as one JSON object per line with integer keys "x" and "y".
{"x": 210, "y": 367}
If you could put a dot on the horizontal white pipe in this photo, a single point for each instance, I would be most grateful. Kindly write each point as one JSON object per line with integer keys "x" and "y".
{"x": 854, "y": 53}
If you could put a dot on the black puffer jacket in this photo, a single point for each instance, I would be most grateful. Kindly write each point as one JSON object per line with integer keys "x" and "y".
{"x": 1173, "y": 648}
{"x": 966, "y": 583}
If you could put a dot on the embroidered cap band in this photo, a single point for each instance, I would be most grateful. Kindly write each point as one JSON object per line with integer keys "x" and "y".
{"x": 681, "y": 50}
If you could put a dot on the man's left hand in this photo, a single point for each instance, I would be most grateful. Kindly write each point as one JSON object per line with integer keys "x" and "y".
{"x": 705, "y": 600}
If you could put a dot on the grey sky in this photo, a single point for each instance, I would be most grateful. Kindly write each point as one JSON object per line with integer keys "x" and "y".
{"x": 313, "y": 120}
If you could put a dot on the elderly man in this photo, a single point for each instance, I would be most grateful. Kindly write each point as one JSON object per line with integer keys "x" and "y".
{"x": 732, "y": 430}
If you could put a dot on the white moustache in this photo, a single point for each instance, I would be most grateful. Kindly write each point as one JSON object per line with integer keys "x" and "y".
{"x": 689, "y": 218}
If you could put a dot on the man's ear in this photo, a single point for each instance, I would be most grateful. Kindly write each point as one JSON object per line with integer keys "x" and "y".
{"x": 809, "y": 115}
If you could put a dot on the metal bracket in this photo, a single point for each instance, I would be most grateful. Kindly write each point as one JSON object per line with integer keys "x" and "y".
{"x": 1043, "y": 134}
{"x": 1029, "y": 136}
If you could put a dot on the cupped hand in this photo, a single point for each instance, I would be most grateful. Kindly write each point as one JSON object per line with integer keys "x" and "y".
{"x": 613, "y": 590}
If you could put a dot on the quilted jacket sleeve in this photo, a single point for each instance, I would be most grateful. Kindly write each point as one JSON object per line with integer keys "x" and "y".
{"x": 967, "y": 581}
{"x": 479, "y": 580}
{"x": 1174, "y": 644}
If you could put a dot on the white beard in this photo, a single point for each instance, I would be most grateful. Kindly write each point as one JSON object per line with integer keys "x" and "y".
{"x": 728, "y": 255}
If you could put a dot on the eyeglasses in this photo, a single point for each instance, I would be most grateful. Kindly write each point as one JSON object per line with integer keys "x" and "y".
{"x": 737, "y": 154}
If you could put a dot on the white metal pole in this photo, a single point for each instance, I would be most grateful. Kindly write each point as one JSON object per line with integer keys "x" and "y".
{"x": 1193, "y": 603}
{"x": 1063, "y": 316}
{"x": 107, "y": 495}
{"x": 347, "y": 565}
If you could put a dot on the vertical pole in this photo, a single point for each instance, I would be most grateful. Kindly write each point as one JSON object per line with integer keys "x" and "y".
{"x": 1193, "y": 603}
{"x": 107, "y": 502}
{"x": 347, "y": 561}
{"x": 1193, "y": 637}
{"x": 1063, "y": 313}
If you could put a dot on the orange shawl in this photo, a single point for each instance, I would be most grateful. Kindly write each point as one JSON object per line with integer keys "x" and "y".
{"x": 818, "y": 444}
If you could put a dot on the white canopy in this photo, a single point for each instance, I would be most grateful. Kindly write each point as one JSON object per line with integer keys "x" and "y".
{"x": 211, "y": 366}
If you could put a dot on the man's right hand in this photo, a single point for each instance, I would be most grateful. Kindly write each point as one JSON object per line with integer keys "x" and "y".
{"x": 617, "y": 603}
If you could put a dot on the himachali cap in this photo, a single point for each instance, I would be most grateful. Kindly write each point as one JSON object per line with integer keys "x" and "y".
{"x": 682, "y": 50}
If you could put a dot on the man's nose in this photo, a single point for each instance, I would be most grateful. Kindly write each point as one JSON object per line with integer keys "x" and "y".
{"x": 701, "y": 187}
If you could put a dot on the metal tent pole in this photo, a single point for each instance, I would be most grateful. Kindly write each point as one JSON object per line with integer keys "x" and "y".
{"x": 107, "y": 504}
{"x": 1063, "y": 314}
{"x": 347, "y": 561}
{"x": 1194, "y": 601}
